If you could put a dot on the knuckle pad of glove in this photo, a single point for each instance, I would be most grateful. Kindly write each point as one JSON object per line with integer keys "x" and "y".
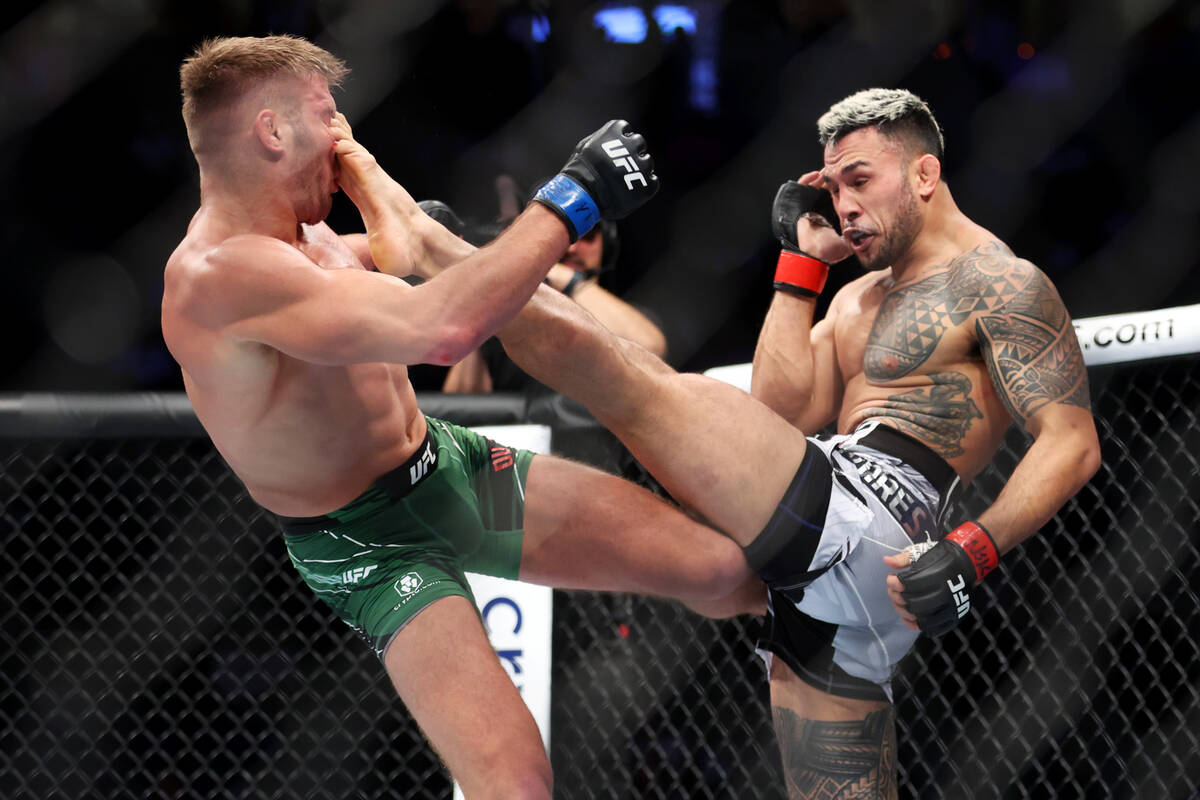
{"x": 794, "y": 200}
{"x": 927, "y": 592}
{"x": 785, "y": 211}
{"x": 928, "y": 604}
{"x": 938, "y": 624}
{"x": 615, "y": 169}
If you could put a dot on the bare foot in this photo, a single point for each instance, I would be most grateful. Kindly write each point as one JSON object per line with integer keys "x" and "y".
{"x": 388, "y": 211}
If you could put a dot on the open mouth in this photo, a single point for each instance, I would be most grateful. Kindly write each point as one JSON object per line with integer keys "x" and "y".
{"x": 857, "y": 238}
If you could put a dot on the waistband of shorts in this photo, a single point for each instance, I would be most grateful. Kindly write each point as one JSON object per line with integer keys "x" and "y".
{"x": 915, "y": 453}
{"x": 396, "y": 483}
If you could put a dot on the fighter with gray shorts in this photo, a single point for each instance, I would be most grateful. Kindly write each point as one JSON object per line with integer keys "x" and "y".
{"x": 856, "y": 498}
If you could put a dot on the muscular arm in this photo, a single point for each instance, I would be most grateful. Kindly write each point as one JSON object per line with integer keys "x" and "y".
{"x": 796, "y": 370}
{"x": 263, "y": 290}
{"x": 795, "y": 363}
{"x": 1036, "y": 366}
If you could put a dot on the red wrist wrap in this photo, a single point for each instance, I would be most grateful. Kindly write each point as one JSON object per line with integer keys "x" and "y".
{"x": 979, "y": 546}
{"x": 800, "y": 274}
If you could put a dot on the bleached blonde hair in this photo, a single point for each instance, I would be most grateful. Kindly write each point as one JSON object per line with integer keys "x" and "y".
{"x": 896, "y": 113}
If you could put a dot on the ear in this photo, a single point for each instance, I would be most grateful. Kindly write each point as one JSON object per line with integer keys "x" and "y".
{"x": 928, "y": 172}
{"x": 268, "y": 129}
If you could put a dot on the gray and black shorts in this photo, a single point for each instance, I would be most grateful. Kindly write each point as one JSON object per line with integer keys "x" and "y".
{"x": 855, "y": 499}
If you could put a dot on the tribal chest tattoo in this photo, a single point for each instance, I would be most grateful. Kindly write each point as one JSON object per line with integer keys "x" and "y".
{"x": 1024, "y": 333}
{"x": 913, "y": 318}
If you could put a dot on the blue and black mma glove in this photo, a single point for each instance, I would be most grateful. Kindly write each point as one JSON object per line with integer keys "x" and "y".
{"x": 609, "y": 176}
{"x": 940, "y": 576}
{"x": 797, "y": 272}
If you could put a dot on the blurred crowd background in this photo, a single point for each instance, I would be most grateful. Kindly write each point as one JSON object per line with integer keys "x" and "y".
{"x": 1072, "y": 132}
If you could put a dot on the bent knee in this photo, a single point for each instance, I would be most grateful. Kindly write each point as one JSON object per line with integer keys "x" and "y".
{"x": 723, "y": 575}
{"x": 731, "y": 573}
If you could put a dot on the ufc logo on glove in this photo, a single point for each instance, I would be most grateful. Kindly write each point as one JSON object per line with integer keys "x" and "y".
{"x": 936, "y": 599}
{"x": 620, "y": 158}
{"x": 961, "y": 598}
{"x": 589, "y": 186}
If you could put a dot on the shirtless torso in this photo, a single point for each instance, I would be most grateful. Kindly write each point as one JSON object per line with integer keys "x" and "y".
{"x": 292, "y": 339}
{"x": 951, "y": 349}
{"x": 304, "y": 437}
{"x": 909, "y": 353}
{"x": 293, "y": 342}
{"x": 948, "y": 338}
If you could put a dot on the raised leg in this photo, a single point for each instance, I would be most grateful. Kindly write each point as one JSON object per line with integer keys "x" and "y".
{"x": 448, "y": 675}
{"x": 586, "y": 529}
{"x": 714, "y": 447}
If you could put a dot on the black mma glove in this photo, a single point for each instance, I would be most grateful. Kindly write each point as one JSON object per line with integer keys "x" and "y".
{"x": 608, "y": 176}
{"x": 793, "y": 201}
{"x": 938, "y": 580}
{"x": 797, "y": 272}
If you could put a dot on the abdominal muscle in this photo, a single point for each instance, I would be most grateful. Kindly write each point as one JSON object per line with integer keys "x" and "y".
{"x": 316, "y": 437}
{"x": 955, "y": 412}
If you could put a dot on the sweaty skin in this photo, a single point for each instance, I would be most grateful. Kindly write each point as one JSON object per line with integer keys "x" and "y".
{"x": 309, "y": 404}
{"x": 303, "y": 437}
{"x": 949, "y": 337}
{"x": 292, "y": 348}
{"x": 923, "y": 340}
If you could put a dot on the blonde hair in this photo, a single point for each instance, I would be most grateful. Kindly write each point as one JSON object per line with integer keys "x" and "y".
{"x": 896, "y": 113}
{"x": 220, "y": 69}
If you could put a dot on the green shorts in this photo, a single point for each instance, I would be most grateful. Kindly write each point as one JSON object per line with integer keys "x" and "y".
{"x": 456, "y": 505}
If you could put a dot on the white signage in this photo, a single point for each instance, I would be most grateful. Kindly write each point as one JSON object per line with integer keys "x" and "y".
{"x": 1110, "y": 339}
{"x": 518, "y": 615}
{"x": 1140, "y": 334}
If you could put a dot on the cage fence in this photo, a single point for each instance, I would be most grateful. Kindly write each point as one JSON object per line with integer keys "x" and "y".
{"x": 158, "y": 644}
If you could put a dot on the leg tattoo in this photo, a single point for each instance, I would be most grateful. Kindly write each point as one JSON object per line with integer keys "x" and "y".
{"x": 838, "y": 760}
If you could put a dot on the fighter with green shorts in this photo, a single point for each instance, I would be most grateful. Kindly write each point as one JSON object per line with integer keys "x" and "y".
{"x": 456, "y": 505}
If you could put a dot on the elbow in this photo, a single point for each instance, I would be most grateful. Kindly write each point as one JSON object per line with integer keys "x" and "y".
{"x": 1090, "y": 460}
{"x": 1080, "y": 457}
{"x": 1090, "y": 457}
{"x": 452, "y": 343}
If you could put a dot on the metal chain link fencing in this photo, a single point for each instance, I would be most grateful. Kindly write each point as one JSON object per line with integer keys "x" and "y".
{"x": 158, "y": 644}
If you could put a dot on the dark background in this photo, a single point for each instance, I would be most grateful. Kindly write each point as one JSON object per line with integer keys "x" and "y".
{"x": 151, "y": 610}
{"x": 1072, "y": 132}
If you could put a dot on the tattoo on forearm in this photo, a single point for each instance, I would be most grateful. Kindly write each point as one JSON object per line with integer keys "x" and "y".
{"x": 939, "y": 415}
{"x": 1032, "y": 352}
{"x": 838, "y": 760}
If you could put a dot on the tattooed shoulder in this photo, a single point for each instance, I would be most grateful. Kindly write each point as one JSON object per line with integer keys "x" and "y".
{"x": 913, "y": 317}
{"x": 1030, "y": 347}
